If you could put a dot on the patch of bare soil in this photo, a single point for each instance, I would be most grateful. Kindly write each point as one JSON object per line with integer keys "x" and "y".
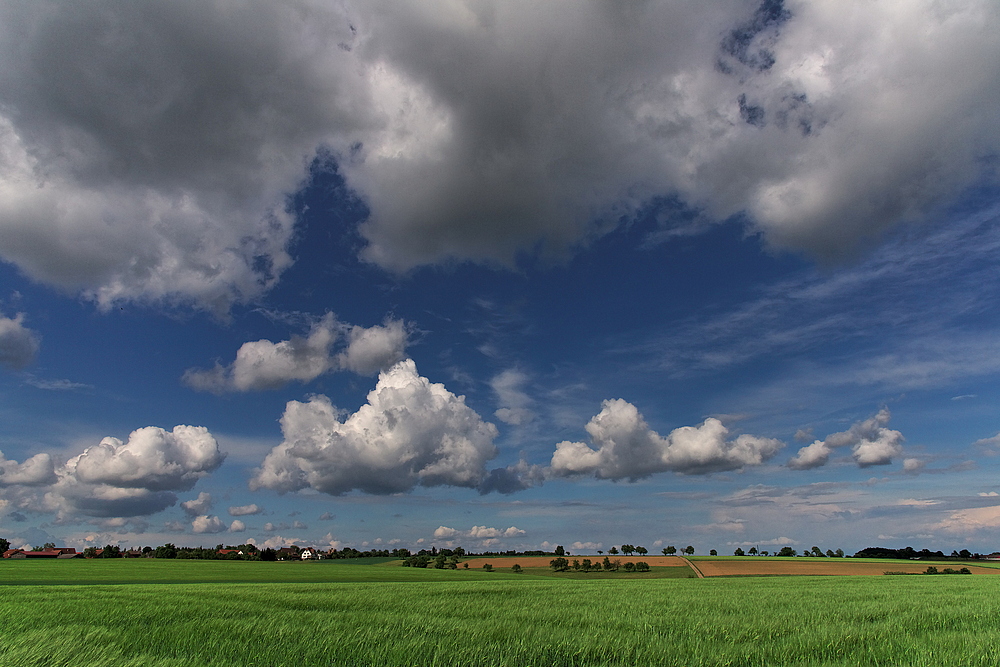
{"x": 543, "y": 561}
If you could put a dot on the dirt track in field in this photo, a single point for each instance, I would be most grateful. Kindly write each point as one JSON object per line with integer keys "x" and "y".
{"x": 543, "y": 561}
{"x": 817, "y": 566}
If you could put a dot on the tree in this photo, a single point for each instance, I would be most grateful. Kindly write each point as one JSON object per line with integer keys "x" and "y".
{"x": 4, "y": 544}
{"x": 840, "y": 553}
{"x": 965, "y": 553}
{"x": 787, "y": 551}
{"x": 627, "y": 549}
{"x": 630, "y": 566}
{"x": 739, "y": 552}
{"x": 599, "y": 552}
{"x": 752, "y": 551}
{"x": 713, "y": 552}
{"x": 689, "y": 550}
{"x": 613, "y": 551}
{"x": 515, "y": 568}
{"x": 641, "y": 551}
{"x": 560, "y": 551}
{"x": 586, "y": 565}
{"x": 168, "y": 550}
{"x": 487, "y": 567}
{"x": 642, "y": 566}
{"x": 559, "y": 564}
{"x": 817, "y": 552}
{"x": 830, "y": 554}
{"x": 670, "y": 550}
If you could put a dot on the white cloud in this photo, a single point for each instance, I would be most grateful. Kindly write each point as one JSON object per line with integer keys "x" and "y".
{"x": 261, "y": 364}
{"x": 446, "y": 533}
{"x": 514, "y": 402}
{"x": 586, "y": 546}
{"x": 410, "y": 432}
{"x": 237, "y": 526}
{"x": 18, "y": 344}
{"x": 870, "y": 441}
{"x": 470, "y": 131}
{"x": 38, "y": 470}
{"x": 913, "y": 466}
{"x": 374, "y": 349}
{"x": 969, "y": 521}
{"x": 245, "y": 510}
{"x": 207, "y": 524}
{"x": 152, "y": 458}
{"x": 628, "y": 448}
{"x": 775, "y": 542}
{"x": 200, "y": 505}
{"x": 137, "y": 477}
{"x": 485, "y": 533}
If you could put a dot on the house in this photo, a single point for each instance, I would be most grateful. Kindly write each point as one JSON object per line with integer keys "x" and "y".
{"x": 309, "y": 554}
{"x": 11, "y": 553}
{"x": 49, "y": 553}
{"x": 226, "y": 552}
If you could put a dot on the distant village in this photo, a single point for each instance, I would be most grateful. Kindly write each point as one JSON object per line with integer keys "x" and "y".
{"x": 296, "y": 553}
{"x": 220, "y": 552}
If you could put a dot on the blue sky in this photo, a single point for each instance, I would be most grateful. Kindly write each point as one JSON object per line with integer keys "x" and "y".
{"x": 499, "y": 275}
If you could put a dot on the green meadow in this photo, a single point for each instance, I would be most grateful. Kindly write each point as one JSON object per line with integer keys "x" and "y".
{"x": 176, "y": 613}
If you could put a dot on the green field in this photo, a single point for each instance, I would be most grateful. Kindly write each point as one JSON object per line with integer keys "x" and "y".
{"x": 304, "y": 614}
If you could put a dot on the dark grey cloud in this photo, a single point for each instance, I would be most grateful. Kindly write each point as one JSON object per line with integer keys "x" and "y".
{"x": 148, "y": 148}
{"x": 18, "y": 344}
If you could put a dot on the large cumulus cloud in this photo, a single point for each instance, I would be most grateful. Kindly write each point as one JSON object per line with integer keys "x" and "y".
{"x": 626, "y": 448}
{"x": 263, "y": 365}
{"x": 38, "y": 470}
{"x": 410, "y": 432}
{"x": 870, "y": 441}
{"x": 146, "y": 149}
{"x": 137, "y": 477}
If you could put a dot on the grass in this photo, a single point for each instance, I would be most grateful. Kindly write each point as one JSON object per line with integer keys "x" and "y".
{"x": 441, "y": 617}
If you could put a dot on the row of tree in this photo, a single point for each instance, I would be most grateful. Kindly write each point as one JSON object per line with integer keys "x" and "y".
{"x": 561, "y": 564}
{"x": 815, "y": 552}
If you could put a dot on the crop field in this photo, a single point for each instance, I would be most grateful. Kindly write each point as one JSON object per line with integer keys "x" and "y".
{"x": 365, "y": 615}
{"x": 756, "y": 566}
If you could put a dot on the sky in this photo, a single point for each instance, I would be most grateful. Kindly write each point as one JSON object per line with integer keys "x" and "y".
{"x": 500, "y": 275}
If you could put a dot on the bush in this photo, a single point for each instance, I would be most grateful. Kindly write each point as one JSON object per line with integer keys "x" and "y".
{"x": 487, "y": 567}
{"x": 630, "y": 567}
{"x": 642, "y": 566}
{"x": 516, "y": 568}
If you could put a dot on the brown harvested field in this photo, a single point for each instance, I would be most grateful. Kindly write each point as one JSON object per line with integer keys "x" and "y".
{"x": 816, "y": 566}
{"x": 543, "y": 561}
